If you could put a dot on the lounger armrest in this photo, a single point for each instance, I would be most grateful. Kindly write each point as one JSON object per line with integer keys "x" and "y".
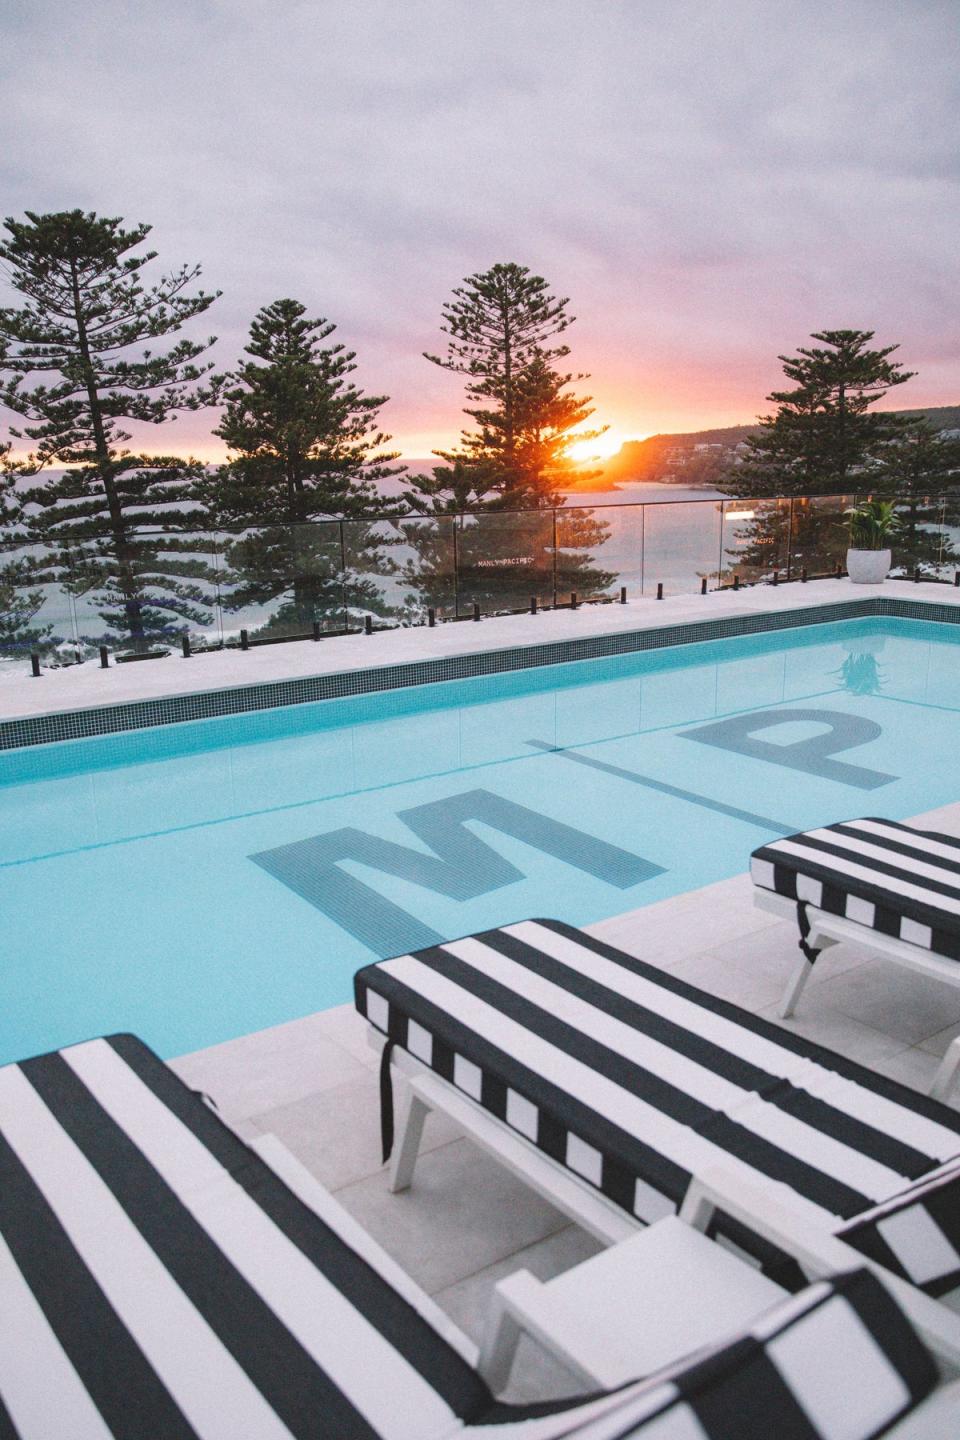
{"x": 771, "y": 1213}
{"x": 778, "y": 1218}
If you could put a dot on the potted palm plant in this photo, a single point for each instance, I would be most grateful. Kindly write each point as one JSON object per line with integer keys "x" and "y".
{"x": 873, "y": 524}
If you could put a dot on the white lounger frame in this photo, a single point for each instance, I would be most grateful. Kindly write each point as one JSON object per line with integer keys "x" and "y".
{"x": 771, "y": 1214}
{"x": 827, "y": 930}
{"x": 936, "y": 1419}
{"x": 427, "y": 1091}
{"x": 768, "y": 1213}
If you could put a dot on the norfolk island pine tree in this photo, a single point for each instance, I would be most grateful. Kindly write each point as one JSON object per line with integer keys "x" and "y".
{"x": 19, "y": 599}
{"x": 107, "y": 521}
{"x": 821, "y": 440}
{"x": 920, "y": 470}
{"x": 304, "y": 449}
{"x": 499, "y": 327}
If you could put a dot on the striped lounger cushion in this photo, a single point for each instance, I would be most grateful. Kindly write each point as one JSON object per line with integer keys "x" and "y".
{"x": 158, "y": 1280}
{"x": 835, "y": 1363}
{"x": 636, "y": 1080}
{"x": 917, "y": 1236}
{"x": 898, "y": 881}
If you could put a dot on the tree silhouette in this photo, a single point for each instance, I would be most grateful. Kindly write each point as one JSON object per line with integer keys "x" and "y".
{"x": 304, "y": 447}
{"x": 84, "y": 310}
{"x": 502, "y": 328}
{"x": 823, "y": 433}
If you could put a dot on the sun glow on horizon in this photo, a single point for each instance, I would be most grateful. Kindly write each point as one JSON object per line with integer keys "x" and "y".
{"x": 411, "y": 448}
{"x": 601, "y": 448}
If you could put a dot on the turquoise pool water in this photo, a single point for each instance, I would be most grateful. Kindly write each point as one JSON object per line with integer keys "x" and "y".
{"x": 199, "y": 881}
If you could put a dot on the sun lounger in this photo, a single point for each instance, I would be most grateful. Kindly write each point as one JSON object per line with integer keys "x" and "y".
{"x": 158, "y": 1278}
{"x": 609, "y": 1084}
{"x": 872, "y": 882}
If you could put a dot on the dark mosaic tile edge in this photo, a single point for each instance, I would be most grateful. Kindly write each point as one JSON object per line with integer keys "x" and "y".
{"x": 142, "y": 714}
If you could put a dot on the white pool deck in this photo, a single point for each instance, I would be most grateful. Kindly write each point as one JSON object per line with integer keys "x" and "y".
{"x": 466, "y": 1222}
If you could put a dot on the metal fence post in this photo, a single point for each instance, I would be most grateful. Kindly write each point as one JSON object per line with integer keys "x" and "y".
{"x": 343, "y": 577}
{"x": 643, "y": 549}
{"x": 721, "y": 513}
{"x": 217, "y": 568}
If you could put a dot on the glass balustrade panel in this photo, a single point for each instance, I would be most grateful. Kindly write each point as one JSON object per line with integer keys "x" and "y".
{"x": 503, "y": 559}
{"x": 923, "y": 541}
{"x": 36, "y": 610}
{"x": 587, "y": 537}
{"x": 681, "y": 546}
{"x": 819, "y": 535}
{"x": 423, "y": 561}
{"x": 755, "y": 544}
{"x": 277, "y": 582}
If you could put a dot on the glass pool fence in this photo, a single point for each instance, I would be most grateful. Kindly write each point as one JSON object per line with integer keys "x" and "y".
{"x": 64, "y": 603}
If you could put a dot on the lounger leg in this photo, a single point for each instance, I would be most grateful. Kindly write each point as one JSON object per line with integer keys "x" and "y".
{"x": 947, "y": 1072}
{"x": 406, "y": 1150}
{"x": 794, "y": 988}
{"x": 501, "y": 1337}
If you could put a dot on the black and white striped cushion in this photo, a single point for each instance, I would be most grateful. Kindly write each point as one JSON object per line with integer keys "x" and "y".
{"x": 636, "y": 1081}
{"x": 889, "y": 877}
{"x": 157, "y": 1279}
{"x": 916, "y": 1235}
{"x": 838, "y": 1362}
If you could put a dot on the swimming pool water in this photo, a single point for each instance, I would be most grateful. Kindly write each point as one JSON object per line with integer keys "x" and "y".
{"x": 195, "y": 882}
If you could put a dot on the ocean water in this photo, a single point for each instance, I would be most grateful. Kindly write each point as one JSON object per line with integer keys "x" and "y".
{"x": 199, "y": 881}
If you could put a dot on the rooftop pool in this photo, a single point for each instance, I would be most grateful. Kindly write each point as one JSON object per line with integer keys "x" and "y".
{"x": 198, "y": 881}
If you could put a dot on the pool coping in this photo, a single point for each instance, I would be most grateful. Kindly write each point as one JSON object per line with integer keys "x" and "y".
{"x": 116, "y": 717}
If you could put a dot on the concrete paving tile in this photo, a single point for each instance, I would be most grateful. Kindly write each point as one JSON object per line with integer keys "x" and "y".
{"x": 650, "y": 937}
{"x": 270, "y": 1068}
{"x": 835, "y": 961}
{"x": 463, "y": 1212}
{"x": 769, "y": 954}
{"x": 335, "y": 1133}
{"x": 946, "y": 819}
{"x": 916, "y": 1068}
{"x": 908, "y": 1006}
{"x": 345, "y": 1026}
{"x": 536, "y": 1375}
{"x": 664, "y": 932}
{"x": 937, "y": 1044}
{"x": 764, "y": 959}
{"x": 539, "y": 1376}
{"x": 247, "y": 1129}
{"x": 730, "y": 981}
{"x": 659, "y": 935}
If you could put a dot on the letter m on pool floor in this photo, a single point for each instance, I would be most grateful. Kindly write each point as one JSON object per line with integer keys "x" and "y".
{"x": 462, "y": 866}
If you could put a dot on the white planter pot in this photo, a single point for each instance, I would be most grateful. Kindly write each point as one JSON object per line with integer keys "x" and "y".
{"x": 868, "y": 567}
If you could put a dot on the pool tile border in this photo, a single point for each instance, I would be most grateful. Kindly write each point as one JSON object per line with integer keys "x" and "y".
{"x": 205, "y": 705}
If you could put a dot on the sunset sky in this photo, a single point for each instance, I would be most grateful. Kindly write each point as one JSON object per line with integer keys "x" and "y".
{"x": 708, "y": 182}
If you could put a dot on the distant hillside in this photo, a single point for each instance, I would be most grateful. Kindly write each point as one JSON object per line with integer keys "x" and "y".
{"x": 674, "y": 456}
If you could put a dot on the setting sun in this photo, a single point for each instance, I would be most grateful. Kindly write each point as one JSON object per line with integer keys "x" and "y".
{"x": 600, "y": 448}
